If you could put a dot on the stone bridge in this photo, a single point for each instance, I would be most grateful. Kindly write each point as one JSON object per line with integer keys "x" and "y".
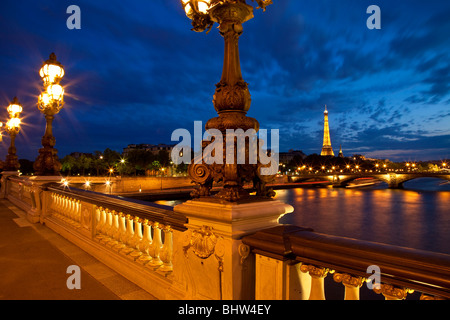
{"x": 394, "y": 180}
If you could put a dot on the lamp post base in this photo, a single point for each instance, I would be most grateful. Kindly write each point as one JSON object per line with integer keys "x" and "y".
{"x": 12, "y": 163}
{"x": 212, "y": 260}
{"x": 47, "y": 163}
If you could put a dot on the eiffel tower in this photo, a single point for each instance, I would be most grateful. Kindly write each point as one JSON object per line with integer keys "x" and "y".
{"x": 326, "y": 149}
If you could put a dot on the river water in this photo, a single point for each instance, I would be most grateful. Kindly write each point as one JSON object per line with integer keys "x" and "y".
{"x": 415, "y": 217}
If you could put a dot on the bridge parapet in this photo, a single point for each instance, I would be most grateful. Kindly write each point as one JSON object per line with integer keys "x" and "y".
{"x": 393, "y": 179}
{"x": 219, "y": 251}
{"x": 292, "y": 263}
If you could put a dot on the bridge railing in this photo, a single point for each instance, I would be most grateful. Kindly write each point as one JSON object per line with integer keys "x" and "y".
{"x": 292, "y": 263}
{"x": 170, "y": 256}
{"x": 393, "y": 179}
{"x": 133, "y": 237}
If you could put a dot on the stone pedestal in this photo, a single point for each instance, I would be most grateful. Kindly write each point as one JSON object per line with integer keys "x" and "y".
{"x": 212, "y": 261}
{"x": 34, "y": 215}
{"x": 5, "y": 175}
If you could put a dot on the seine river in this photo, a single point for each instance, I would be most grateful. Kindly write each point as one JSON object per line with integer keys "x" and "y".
{"x": 415, "y": 217}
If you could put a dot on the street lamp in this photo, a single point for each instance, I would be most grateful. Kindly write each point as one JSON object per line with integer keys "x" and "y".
{"x": 12, "y": 128}
{"x": 231, "y": 101}
{"x": 50, "y": 102}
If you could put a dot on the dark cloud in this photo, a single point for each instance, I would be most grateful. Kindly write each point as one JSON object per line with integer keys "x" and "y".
{"x": 135, "y": 72}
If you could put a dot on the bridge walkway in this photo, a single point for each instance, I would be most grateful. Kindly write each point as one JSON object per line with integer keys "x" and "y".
{"x": 34, "y": 261}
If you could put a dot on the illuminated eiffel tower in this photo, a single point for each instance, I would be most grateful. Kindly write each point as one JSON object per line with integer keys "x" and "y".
{"x": 326, "y": 149}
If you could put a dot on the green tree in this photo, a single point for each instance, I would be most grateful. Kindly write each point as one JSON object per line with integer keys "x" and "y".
{"x": 98, "y": 163}
{"x": 111, "y": 157}
{"x": 68, "y": 163}
{"x": 83, "y": 162}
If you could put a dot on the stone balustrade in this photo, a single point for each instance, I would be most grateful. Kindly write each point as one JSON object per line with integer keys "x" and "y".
{"x": 124, "y": 228}
{"x": 214, "y": 250}
{"x": 146, "y": 242}
{"x": 293, "y": 263}
{"x": 133, "y": 237}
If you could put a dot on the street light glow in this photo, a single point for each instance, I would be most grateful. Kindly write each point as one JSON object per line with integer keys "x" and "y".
{"x": 52, "y": 71}
{"x": 13, "y": 123}
{"x": 55, "y": 92}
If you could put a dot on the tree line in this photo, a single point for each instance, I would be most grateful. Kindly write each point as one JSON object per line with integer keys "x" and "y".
{"x": 110, "y": 162}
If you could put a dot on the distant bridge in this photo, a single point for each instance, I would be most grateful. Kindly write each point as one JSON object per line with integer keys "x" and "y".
{"x": 393, "y": 180}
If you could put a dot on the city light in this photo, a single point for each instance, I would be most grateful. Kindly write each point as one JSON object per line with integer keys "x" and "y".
{"x": 12, "y": 128}
{"x": 50, "y": 102}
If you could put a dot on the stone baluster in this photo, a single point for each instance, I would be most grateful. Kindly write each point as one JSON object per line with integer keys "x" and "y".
{"x": 78, "y": 211}
{"x": 115, "y": 230}
{"x": 317, "y": 280}
{"x": 111, "y": 226}
{"x": 128, "y": 238}
{"x": 53, "y": 201}
{"x": 146, "y": 242}
{"x": 65, "y": 207}
{"x": 351, "y": 284}
{"x": 100, "y": 220}
{"x": 69, "y": 210}
{"x": 58, "y": 203}
{"x": 108, "y": 224}
{"x": 137, "y": 238}
{"x": 167, "y": 250}
{"x": 122, "y": 233}
{"x": 156, "y": 246}
{"x": 74, "y": 212}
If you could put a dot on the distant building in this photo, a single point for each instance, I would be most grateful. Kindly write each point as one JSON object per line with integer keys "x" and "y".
{"x": 341, "y": 154}
{"x": 326, "y": 148}
{"x": 155, "y": 149}
{"x": 286, "y": 157}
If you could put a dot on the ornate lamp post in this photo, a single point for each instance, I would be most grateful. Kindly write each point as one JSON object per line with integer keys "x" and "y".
{"x": 231, "y": 101}
{"x": 12, "y": 128}
{"x": 50, "y": 103}
{"x": 217, "y": 224}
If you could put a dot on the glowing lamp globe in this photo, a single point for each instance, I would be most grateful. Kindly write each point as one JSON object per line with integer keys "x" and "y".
{"x": 55, "y": 92}
{"x": 13, "y": 123}
{"x": 14, "y": 108}
{"x": 44, "y": 99}
{"x": 197, "y": 6}
{"x": 52, "y": 71}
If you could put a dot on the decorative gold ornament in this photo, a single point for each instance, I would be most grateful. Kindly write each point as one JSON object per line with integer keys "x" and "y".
{"x": 391, "y": 292}
{"x": 202, "y": 242}
{"x": 424, "y": 296}
{"x": 348, "y": 280}
{"x": 231, "y": 101}
{"x": 244, "y": 251}
{"x": 318, "y": 272}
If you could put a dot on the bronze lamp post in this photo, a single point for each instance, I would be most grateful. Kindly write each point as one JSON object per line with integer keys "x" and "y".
{"x": 231, "y": 101}
{"x": 13, "y": 128}
{"x": 50, "y": 102}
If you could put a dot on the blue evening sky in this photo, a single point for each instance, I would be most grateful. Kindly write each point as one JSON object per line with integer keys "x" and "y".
{"x": 135, "y": 72}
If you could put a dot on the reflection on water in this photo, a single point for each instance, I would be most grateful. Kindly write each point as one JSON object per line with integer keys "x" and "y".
{"x": 411, "y": 218}
{"x": 415, "y": 217}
